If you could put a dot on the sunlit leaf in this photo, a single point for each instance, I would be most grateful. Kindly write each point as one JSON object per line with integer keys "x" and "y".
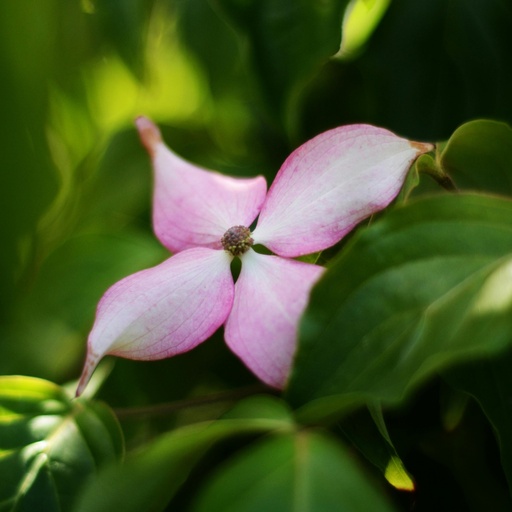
{"x": 49, "y": 445}
{"x": 396, "y": 473}
{"x": 361, "y": 18}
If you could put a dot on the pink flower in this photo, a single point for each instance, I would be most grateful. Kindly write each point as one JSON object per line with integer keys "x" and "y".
{"x": 324, "y": 189}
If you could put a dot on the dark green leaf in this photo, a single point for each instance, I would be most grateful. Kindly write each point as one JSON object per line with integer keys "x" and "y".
{"x": 121, "y": 188}
{"x": 430, "y": 66}
{"x": 27, "y": 181}
{"x": 302, "y": 472}
{"x": 427, "y": 286}
{"x": 123, "y": 23}
{"x": 48, "y": 337}
{"x": 478, "y": 156}
{"x": 490, "y": 382}
{"x": 149, "y": 479}
{"x": 85, "y": 267}
{"x": 49, "y": 444}
{"x": 221, "y": 60}
{"x": 288, "y": 41}
{"x": 261, "y": 406}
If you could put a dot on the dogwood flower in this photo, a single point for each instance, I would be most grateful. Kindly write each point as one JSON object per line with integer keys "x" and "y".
{"x": 322, "y": 191}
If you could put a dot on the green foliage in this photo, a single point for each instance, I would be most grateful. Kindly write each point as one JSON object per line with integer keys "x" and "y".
{"x": 286, "y": 470}
{"x": 372, "y": 439}
{"x": 426, "y": 286}
{"x": 287, "y": 42}
{"x": 443, "y": 62}
{"x": 307, "y": 471}
{"x": 165, "y": 463}
{"x": 27, "y": 180}
{"x": 415, "y": 305}
{"x": 489, "y": 381}
{"x": 478, "y": 156}
{"x": 49, "y": 445}
{"x": 123, "y": 24}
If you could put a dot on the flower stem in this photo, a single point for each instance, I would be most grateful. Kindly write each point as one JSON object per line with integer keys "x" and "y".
{"x": 156, "y": 410}
{"x": 427, "y": 165}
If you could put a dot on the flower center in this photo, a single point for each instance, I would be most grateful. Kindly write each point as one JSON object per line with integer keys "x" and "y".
{"x": 237, "y": 240}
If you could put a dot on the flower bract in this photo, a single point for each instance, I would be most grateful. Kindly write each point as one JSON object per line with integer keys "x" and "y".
{"x": 322, "y": 191}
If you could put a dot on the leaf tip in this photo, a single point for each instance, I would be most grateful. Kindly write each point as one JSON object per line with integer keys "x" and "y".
{"x": 398, "y": 476}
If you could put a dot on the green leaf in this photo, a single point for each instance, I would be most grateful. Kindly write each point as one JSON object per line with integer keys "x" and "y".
{"x": 261, "y": 406}
{"x": 395, "y": 472}
{"x": 121, "y": 186}
{"x": 85, "y": 266}
{"x": 27, "y": 181}
{"x": 123, "y": 24}
{"x": 424, "y": 86}
{"x": 47, "y": 334}
{"x": 366, "y": 430}
{"x": 150, "y": 478}
{"x": 360, "y": 21}
{"x": 427, "y": 286}
{"x": 221, "y": 60}
{"x": 478, "y": 156}
{"x": 302, "y": 472}
{"x": 50, "y": 444}
{"x": 288, "y": 41}
{"x": 489, "y": 381}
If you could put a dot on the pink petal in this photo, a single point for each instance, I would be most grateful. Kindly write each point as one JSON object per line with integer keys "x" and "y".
{"x": 164, "y": 310}
{"x": 270, "y": 295}
{"x": 331, "y": 183}
{"x": 193, "y": 206}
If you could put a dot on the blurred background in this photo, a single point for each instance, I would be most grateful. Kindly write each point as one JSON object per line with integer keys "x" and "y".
{"x": 235, "y": 85}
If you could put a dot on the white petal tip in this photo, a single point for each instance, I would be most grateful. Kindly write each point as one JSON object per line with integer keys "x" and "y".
{"x": 149, "y": 134}
{"x": 90, "y": 365}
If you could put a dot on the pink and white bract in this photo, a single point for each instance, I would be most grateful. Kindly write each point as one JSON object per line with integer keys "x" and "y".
{"x": 324, "y": 189}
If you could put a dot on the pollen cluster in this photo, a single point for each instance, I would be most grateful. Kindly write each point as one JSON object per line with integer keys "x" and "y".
{"x": 237, "y": 240}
